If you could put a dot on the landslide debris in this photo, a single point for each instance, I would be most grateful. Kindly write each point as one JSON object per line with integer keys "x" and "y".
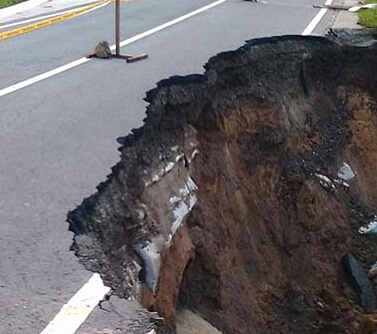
{"x": 244, "y": 190}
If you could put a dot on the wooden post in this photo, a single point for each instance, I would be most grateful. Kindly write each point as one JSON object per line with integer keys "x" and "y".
{"x": 117, "y": 27}
{"x": 129, "y": 58}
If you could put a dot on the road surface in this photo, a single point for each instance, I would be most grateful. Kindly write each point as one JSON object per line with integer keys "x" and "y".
{"x": 57, "y": 136}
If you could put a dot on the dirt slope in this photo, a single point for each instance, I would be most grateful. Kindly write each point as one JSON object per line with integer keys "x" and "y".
{"x": 244, "y": 190}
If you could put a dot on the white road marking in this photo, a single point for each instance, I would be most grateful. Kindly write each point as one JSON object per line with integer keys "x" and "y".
{"x": 49, "y": 74}
{"x": 40, "y": 18}
{"x": 170, "y": 23}
{"x": 311, "y": 26}
{"x": 74, "y": 313}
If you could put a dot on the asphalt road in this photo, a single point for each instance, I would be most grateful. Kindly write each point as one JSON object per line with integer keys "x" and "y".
{"x": 57, "y": 137}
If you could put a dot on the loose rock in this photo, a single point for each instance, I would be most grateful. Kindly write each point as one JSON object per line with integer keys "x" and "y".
{"x": 102, "y": 50}
{"x": 360, "y": 282}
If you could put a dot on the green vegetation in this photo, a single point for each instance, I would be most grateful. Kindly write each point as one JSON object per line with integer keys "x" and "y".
{"x": 367, "y": 17}
{"x": 6, "y": 3}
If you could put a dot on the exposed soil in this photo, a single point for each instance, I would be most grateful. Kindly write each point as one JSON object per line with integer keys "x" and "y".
{"x": 218, "y": 203}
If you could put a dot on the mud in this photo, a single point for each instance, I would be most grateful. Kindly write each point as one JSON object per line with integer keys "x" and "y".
{"x": 243, "y": 191}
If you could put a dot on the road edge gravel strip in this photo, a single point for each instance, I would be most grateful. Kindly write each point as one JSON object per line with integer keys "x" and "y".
{"x": 21, "y": 7}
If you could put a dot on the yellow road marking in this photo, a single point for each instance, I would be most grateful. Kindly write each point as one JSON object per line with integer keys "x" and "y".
{"x": 45, "y": 23}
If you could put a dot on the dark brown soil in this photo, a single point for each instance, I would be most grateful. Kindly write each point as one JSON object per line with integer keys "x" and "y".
{"x": 260, "y": 252}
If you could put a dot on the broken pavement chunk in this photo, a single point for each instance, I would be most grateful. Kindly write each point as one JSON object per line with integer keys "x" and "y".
{"x": 345, "y": 172}
{"x": 371, "y": 228}
{"x": 360, "y": 283}
{"x": 373, "y": 271}
{"x": 151, "y": 256}
{"x": 325, "y": 182}
{"x": 342, "y": 183}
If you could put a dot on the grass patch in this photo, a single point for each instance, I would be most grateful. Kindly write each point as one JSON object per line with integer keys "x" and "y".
{"x": 367, "y": 17}
{"x": 6, "y": 3}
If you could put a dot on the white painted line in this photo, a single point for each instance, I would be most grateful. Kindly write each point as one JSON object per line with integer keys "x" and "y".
{"x": 170, "y": 23}
{"x": 309, "y": 29}
{"x": 74, "y": 313}
{"x": 40, "y": 18}
{"x": 49, "y": 74}
{"x": 43, "y": 76}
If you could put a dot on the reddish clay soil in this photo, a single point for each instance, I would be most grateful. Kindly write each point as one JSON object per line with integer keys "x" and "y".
{"x": 260, "y": 251}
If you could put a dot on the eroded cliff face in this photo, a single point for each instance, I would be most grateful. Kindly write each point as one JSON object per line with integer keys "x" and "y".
{"x": 243, "y": 191}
